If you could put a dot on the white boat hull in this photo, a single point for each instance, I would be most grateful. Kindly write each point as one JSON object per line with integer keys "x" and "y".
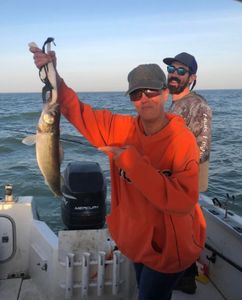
{"x": 84, "y": 264}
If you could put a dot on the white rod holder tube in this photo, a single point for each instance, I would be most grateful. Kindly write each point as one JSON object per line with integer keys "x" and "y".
{"x": 100, "y": 272}
{"x": 69, "y": 275}
{"x": 85, "y": 273}
{"x": 116, "y": 271}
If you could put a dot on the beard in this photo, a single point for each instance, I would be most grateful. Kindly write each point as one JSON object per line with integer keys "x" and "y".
{"x": 177, "y": 89}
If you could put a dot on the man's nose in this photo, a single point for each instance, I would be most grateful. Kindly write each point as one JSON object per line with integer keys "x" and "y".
{"x": 144, "y": 97}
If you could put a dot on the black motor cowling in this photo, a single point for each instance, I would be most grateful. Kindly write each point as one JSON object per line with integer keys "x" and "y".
{"x": 84, "y": 193}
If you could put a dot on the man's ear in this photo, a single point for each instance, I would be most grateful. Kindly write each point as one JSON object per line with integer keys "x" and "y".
{"x": 192, "y": 78}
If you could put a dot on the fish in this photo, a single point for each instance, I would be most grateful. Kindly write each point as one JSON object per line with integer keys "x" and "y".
{"x": 49, "y": 152}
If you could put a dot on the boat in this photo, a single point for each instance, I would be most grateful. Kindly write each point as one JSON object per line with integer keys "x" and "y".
{"x": 38, "y": 264}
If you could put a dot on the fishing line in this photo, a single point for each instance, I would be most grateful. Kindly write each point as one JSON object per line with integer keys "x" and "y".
{"x": 61, "y": 138}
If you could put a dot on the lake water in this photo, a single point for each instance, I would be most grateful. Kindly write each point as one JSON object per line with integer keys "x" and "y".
{"x": 19, "y": 114}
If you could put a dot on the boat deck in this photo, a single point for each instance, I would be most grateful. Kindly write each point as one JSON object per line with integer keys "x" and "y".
{"x": 18, "y": 289}
{"x": 203, "y": 292}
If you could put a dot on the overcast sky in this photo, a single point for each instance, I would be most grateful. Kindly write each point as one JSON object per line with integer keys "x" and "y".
{"x": 98, "y": 42}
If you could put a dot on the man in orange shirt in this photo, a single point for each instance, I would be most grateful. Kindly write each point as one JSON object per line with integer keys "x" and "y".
{"x": 155, "y": 218}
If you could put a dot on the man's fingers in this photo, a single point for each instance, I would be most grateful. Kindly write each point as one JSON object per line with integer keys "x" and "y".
{"x": 108, "y": 149}
{"x": 34, "y": 49}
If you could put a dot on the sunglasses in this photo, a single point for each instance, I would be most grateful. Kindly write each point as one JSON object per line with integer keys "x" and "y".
{"x": 149, "y": 93}
{"x": 180, "y": 71}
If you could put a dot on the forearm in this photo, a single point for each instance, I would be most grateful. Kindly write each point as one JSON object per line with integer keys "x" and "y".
{"x": 95, "y": 125}
{"x": 177, "y": 193}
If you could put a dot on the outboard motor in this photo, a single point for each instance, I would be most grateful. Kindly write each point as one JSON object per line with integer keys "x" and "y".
{"x": 84, "y": 192}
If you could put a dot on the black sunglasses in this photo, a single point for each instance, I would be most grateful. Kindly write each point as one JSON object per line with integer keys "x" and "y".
{"x": 180, "y": 71}
{"x": 149, "y": 93}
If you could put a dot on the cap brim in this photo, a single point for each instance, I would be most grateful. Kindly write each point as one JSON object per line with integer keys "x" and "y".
{"x": 169, "y": 60}
{"x": 144, "y": 87}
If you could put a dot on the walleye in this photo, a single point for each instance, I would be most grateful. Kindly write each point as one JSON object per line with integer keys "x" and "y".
{"x": 48, "y": 150}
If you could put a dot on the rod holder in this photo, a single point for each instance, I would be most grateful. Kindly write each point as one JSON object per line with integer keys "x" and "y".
{"x": 69, "y": 275}
{"x": 9, "y": 193}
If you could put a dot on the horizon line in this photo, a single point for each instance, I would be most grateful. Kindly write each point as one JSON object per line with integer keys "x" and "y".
{"x": 39, "y": 92}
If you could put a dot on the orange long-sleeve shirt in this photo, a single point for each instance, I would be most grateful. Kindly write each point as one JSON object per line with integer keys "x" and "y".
{"x": 155, "y": 217}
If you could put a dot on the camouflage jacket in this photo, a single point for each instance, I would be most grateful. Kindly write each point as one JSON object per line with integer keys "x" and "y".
{"x": 198, "y": 117}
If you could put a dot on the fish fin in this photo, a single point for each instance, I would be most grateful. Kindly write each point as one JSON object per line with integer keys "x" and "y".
{"x": 29, "y": 140}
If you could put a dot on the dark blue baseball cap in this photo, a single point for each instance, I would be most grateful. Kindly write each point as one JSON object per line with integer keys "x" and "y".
{"x": 185, "y": 59}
